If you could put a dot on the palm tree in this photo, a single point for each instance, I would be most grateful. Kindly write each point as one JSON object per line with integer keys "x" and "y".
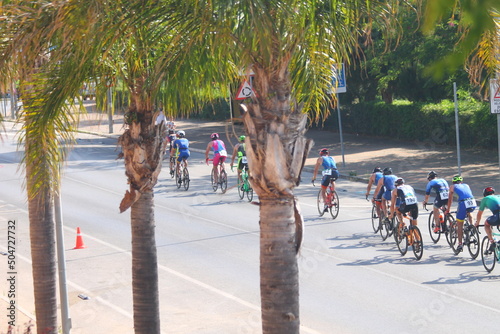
{"x": 291, "y": 47}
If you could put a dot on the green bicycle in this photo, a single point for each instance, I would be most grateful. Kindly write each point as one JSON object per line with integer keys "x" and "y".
{"x": 244, "y": 186}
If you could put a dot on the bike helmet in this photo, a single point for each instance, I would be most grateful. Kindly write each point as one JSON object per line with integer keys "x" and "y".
{"x": 377, "y": 170}
{"x": 181, "y": 133}
{"x": 214, "y": 136}
{"x": 242, "y": 138}
{"x": 323, "y": 151}
{"x": 399, "y": 182}
{"x": 432, "y": 174}
{"x": 387, "y": 171}
{"x": 488, "y": 191}
{"x": 457, "y": 178}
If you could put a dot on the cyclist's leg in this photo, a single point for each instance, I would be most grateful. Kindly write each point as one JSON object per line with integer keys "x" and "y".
{"x": 325, "y": 182}
{"x": 215, "y": 167}
{"x": 461, "y": 214}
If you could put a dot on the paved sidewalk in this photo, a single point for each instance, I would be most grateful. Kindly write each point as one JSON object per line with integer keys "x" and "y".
{"x": 410, "y": 160}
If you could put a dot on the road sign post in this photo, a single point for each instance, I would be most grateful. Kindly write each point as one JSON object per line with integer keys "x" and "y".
{"x": 495, "y": 108}
{"x": 339, "y": 86}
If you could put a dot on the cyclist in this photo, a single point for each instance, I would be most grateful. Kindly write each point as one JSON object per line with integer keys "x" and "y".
{"x": 385, "y": 186}
{"x": 239, "y": 150}
{"x": 181, "y": 147}
{"x": 442, "y": 193}
{"x": 220, "y": 154}
{"x": 466, "y": 204}
{"x": 330, "y": 172}
{"x": 373, "y": 180}
{"x": 492, "y": 202}
{"x": 171, "y": 138}
{"x": 403, "y": 200}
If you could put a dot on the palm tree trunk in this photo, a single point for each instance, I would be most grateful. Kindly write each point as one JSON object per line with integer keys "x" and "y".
{"x": 279, "y": 274}
{"x": 43, "y": 257}
{"x": 144, "y": 266}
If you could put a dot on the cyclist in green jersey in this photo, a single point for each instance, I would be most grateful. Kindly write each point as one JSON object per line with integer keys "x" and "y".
{"x": 492, "y": 202}
{"x": 239, "y": 151}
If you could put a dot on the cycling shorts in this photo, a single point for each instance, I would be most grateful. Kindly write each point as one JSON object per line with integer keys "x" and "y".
{"x": 462, "y": 210}
{"x": 183, "y": 155}
{"x": 412, "y": 209}
{"x": 327, "y": 178}
{"x": 387, "y": 195}
{"x": 241, "y": 165}
{"x": 494, "y": 220}
{"x": 218, "y": 159}
{"x": 438, "y": 202}
{"x": 380, "y": 193}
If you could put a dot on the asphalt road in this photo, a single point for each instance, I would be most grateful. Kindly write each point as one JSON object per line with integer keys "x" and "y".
{"x": 208, "y": 251}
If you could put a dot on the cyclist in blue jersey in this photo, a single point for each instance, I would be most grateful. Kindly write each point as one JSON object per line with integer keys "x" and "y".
{"x": 466, "y": 204}
{"x": 181, "y": 146}
{"x": 373, "y": 180}
{"x": 492, "y": 202}
{"x": 385, "y": 186}
{"x": 330, "y": 172}
{"x": 442, "y": 190}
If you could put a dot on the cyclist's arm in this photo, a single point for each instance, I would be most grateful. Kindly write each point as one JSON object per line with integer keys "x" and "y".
{"x": 379, "y": 186}
{"x": 450, "y": 198}
{"x": 207, "y": 150}
{"x": 478, "y": 217}
{"x": 394, "y": 194}
{"x": 370, "y": 182}
{"x": 235, "y": 151}
{"x": 318, "y": 163}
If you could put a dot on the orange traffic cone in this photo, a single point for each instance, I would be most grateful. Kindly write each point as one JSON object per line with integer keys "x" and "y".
{"x": 79, "y": 240}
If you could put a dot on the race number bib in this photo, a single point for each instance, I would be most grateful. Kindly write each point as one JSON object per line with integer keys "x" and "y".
{"x": 470, "y": 203}
{"x": 244, "y": 160}
{"x": 410, "y": 199}
{"x": 327, "y": 172}
{"x": 223, "y": 153}
{"x": 443, "y": 194}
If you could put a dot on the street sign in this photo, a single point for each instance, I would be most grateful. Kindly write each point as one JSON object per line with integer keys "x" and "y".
{"x": 494, "y": 96}
{"x": 245, "y": 91}
{"x": 338, "y": 79}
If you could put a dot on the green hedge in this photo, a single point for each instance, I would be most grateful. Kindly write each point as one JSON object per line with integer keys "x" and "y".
{"x": 420, "y": 121}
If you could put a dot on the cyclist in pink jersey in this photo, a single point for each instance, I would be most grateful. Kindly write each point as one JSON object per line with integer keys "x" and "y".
{"x": 220, "y": 153}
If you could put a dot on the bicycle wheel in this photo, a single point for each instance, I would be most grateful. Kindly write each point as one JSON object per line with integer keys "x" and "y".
{"x": 185, "y": 178}
{"x": 212, "y": 179}
{"x": 473, "y": 241}
{"x": 241, "y": 186}
{"x": 334, "y": 208}
{"x": 321, "y": 204}
{"x": 417, "y": 243}
{"x": 432, "y": 224}
{"x": 489, "y": 258}
{"x": 249, "y": 191}
{"x": 400, "y": 237}
{"x": 451, "y": 232}
{"x": 178, "y": 179}
{"x": 375, "y": 219}
{"x": 384, "y": 227}
{"x": 223, "y": 181}
{"x": 391, "y": 225}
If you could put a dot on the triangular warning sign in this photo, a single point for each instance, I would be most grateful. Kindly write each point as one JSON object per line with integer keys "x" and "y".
{"x": 245, "y": 91}
{"x": 497, "y": 93}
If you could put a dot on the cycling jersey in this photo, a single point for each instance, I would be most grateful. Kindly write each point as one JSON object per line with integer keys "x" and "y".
{"x": 330, "y": 171}
{"x": 329, "y": 163}
{"x": 378, "y": 176}
{"x": 466, "y": 201}
{"x": 182, "y": 146}
{"x": 492, "y": 202}
{"x": 406, "y": 200}
{"x": 242, "y": 157}
{"x": 220, "y": 153}
{"x": 442, "y": 191}
{"x": 389, "y": 181}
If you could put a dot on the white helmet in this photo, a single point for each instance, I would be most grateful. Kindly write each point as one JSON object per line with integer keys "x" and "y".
{"x": 181, "y": 133}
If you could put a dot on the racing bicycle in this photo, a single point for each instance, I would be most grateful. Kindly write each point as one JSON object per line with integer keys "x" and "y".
{"x": 470, "y": 237}
{"x": 182, "y": 175}
{"x": 221, "y": 177}
{"x": 408, "y": 236}
{"x": 332, "y": 201}
{"x": 489, "y": 258}
{"x": 446, "y": 220}
{"x": 244, "y": 186}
